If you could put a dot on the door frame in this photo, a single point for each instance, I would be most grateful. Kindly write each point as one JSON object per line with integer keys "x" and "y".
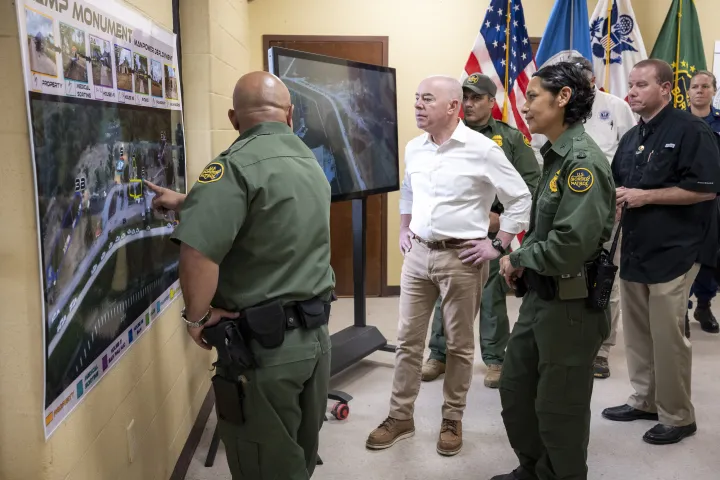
{"x": 385, "y": 289}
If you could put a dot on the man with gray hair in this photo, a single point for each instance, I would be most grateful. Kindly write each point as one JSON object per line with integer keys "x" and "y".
{"x": 611, "y": 119}
{"x": 452, "y": 175}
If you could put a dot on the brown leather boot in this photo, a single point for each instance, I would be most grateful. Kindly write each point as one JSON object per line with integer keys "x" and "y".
{"x": 432, "y": 370}
{"x": 450, "y": 440}
{"x": 390, "y": 431}
{"x": 492, "y": 376}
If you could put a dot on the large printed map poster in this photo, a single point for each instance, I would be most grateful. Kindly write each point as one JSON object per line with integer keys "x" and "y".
{"x": 105, "y": 113}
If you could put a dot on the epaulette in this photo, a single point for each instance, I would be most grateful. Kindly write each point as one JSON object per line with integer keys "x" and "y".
{"x": 237, "y": 145}
{"x": 580, "y": 147}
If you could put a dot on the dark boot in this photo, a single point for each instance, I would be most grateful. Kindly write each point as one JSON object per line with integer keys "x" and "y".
{"x": 517, "y": 474}
{"x": 707, "y": 320}
{"x": 601, "y": 369}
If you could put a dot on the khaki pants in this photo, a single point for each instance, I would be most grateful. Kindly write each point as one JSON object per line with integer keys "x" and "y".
{"x": 614, "y": 299}
{"x": 659, "y": 356}
{"x": 427, "y": 274}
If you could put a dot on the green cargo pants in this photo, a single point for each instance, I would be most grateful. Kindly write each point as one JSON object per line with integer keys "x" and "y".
{"x": 547, "y": 383}
{"x": 494, "y": 322}
{"x": 284, "y": 408}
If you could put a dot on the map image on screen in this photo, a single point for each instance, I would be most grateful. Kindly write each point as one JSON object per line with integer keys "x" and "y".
{"x": 105, "y": 250}
{"x": 348, "y": 118}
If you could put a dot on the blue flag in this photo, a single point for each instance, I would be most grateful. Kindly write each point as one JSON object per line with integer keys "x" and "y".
{"x": 567, "y": 29}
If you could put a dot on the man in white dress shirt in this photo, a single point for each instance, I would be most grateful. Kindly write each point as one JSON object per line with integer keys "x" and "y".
{"x": 611, "y": 119}
{"x": 452, "y": 175}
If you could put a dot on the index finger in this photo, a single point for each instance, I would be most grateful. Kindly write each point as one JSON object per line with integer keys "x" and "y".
{"x": 152, "y": 186}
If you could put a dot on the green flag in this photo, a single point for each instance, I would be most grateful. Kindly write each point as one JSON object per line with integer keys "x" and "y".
{"x": 680, "y": 44}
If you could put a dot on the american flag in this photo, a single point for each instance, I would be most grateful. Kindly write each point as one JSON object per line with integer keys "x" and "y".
{"x": 503, "y": 29}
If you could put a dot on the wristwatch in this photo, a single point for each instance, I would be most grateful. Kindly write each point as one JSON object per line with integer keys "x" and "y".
{"x": 200, "y": 322}
{"x": 497, "y": 245}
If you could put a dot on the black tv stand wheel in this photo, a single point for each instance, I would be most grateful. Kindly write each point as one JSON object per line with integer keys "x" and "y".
{"x": 340, "y": 410}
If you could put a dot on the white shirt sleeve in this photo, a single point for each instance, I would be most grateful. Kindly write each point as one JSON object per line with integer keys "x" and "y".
{"x": 406, "y": 193}
{"x": 511, "y": 191}
{"x": 625, "y": 119}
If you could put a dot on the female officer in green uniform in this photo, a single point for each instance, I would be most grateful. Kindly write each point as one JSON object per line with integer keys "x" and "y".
{"x": 548, "y": 374}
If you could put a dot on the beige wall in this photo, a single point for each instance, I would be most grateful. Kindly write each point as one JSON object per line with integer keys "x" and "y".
{"x": 426, "y": 37}
{"x": 161, "y": 381}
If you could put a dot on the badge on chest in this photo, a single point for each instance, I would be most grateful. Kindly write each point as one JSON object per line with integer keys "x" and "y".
{"x": 553, "y": 182}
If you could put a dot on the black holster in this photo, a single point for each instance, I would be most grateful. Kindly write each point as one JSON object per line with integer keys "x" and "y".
{"x": 600, "y": 277}
{"x": 544, "y": 286}
{"x": 234, "y": 359}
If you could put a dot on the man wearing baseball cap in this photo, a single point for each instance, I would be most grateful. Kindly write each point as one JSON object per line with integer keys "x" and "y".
{"x": 478, "y": 102}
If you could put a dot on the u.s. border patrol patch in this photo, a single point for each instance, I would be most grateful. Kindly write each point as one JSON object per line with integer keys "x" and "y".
{"x": 498, "y": 139}
{"x": 211, "y": 173}
{"x": 553, "y": 182}
{"x": 580, "y": 180}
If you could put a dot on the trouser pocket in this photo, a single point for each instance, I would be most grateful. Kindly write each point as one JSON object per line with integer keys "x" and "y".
{"x": 243, "y": 459}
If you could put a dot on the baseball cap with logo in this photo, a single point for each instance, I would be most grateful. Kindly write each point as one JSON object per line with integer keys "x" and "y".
{"x": 480, "y": 84}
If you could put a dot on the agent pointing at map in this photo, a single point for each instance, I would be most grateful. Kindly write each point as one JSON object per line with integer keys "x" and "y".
{"x": 255, "y": 240}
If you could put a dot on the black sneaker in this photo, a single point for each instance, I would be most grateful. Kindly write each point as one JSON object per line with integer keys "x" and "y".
{"x": 707, "y": 320}
{"x": 601, "y": 369}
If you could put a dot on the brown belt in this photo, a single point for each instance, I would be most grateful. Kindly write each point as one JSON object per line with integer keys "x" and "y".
{"x": 440, "y": 244}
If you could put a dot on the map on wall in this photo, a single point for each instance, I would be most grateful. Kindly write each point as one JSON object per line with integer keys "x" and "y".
{"x": 105, "y": 114}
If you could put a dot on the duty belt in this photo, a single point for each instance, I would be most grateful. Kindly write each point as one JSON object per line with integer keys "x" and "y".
{"x": 440, "y": 244}
{"x": 292, "y": 319}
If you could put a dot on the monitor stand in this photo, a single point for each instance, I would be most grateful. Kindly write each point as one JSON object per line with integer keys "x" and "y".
{"x": 356, "y": 342}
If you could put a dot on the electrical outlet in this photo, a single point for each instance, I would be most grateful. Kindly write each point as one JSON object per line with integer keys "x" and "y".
{"x": 131, "y": 440}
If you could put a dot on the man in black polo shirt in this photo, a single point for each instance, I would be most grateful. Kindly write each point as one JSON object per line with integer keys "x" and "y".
{"x": 667, "y": 170}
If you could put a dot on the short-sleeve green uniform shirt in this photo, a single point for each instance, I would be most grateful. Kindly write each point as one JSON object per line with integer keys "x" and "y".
{"x": 261, "y": 211}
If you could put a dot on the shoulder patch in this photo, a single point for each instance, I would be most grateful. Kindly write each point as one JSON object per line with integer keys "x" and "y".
{"x": 527, "y": 142}
{"x": 580, "y": 180}
{"x": 498, "y": 139}
{"x": 212, "y": 173}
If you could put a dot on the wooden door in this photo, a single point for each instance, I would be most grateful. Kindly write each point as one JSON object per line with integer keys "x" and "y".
{"x": 367, "y": 50}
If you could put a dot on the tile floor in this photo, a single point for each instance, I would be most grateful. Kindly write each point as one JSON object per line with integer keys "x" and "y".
{"x": 616, "y": 452}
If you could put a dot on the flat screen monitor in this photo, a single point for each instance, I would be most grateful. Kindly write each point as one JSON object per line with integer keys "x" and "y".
{"x": 346, "y": 113}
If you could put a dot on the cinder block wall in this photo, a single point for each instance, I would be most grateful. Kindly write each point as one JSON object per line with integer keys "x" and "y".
{"x": 162, "y": 380}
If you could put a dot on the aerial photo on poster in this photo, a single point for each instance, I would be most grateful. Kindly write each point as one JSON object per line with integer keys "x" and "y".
{"x": 105, "y": 252}
{"x": 40, "y": 43}
{"x": 156, "y": 78}
{"x": 123, "y": 68}
{"x": 101, "y": 61}
{"x": 142, "y": 79}
{"x": 72, "y": 44}
{"x": 171, "y": 86}
{"x": 347, "y": 118}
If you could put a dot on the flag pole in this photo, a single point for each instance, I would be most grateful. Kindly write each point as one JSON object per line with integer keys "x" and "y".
{"x": 507, "y": 61}
{"x": 606, "y": 85}
{"x": 572, "y": 23}
{"x": 677, "y": 51}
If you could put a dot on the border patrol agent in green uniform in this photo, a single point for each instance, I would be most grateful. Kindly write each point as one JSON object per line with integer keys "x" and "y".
{"x": 478, "y": 101}
{"x": 547, "y": 380}
{"x": 255, "y": 241}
